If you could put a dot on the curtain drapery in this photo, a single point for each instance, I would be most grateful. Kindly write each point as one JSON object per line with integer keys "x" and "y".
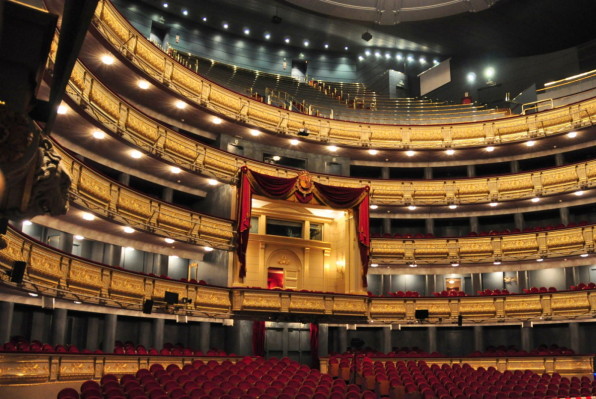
{"x": 314, "y": 344}
{"x": 303, "y": 190}
{"x": 258, "y": 338}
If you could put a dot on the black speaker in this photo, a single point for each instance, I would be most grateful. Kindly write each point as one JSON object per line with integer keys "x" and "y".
{"x": 18, "y": 271}
{"x": 421, "y": 314}
{"x": 171, "y": 298}
{"x": 460, "y": 320}
{"x": 276, "y": 19}
{"x": 366, "y": 36}
{"x": 147, "y": 306}
{"x": 303, "y": 132}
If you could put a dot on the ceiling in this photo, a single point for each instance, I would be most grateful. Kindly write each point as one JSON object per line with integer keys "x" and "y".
{"x": 506, "y": 28}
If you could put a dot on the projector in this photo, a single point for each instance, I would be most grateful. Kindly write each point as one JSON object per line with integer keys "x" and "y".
{"x": 276, "y": 20}
{"x": 366, "y": 36}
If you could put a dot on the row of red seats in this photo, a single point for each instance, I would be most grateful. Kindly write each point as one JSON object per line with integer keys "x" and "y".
{"x": 250, "y": 378}
{"x": 20, "y": 344}
{"x": 486, "y": 233}
{"x": 489, "y": 292}
{"x": 449, "y": 293}
{"x": 539, "y": 290}
{"x": 168, "y": 350}
{"x": 583, "y": 286}
{"x": 542, "y": 350}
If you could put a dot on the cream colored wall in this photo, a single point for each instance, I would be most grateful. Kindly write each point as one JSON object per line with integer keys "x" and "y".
{"x": 328, "y": 265}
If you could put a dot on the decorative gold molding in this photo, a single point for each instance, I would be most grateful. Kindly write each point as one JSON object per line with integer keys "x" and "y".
{"x": 513, "y": 247}
{"x": 124, "y": 38}
{"x": 139, "y": 130}
{"x": 54, "y": 273}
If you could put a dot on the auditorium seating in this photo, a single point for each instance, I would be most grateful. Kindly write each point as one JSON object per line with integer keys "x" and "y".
{"x": 583, "y": 286}
{"x": 250, "y": 378}
{"x": 512, "y": 351}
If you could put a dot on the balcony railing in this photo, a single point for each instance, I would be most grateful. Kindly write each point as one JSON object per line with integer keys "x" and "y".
{"x": 125, "y": 121}
{"x": 56, "y": 274}
{"x": 157, "y": 64}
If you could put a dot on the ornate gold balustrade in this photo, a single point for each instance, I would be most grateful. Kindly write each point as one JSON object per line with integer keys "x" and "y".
{"x": 127, "y": 40}
{"x": 139, "y": 130}
{"x": 103, "y": 196}
{"x": 514, "y": 247}
{"x": 30, "y": 368}
{"x": 55, "y": 273}
{"x": 567, "y": 366}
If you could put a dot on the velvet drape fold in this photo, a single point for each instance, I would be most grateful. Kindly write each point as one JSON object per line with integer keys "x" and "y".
{"x": 283, "y": 188}
{"x": 314, "y": 344}
{"x": 258, "y": 338}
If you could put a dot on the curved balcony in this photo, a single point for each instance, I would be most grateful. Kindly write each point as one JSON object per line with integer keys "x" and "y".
{"x": 161, "y": 67}
{"x": 100, "y": 195}
{"x": 55, "y": 273}
{"x": 133, "y": 126}
{"x": 513, "y": 247}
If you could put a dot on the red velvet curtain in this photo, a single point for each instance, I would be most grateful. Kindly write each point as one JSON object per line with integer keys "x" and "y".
{"x": 243, "y": 218}
{"x": 258, "y": 338}
{"x": 284, "y": 188}
{"x": 314, "y": 344}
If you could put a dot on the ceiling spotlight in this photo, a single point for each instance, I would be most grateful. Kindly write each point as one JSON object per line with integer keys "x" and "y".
{"x": 410, "y": 153}
{"x": 246, "y": 31}
{"x": 530, "y": 143}
{"x": 185, "y": 12}
{"x": 27, "y": 223}
{"x": 497, "y": 262}
{"x": 78, "y": 237}
{"x": 207, "y": 249}
{"x": 399, "y": 57}
{"x": 413, "y": 265}
{"x": 572, "y": 135}
{"x": 579, "y": 193}
{"x": 107, "y": 59}
{"x": 452, "y": 206}
{"x": 216, "y": 120}
{"x": 62, "y": 109}
{"x": 204, "y": 19}
{"x": 372, "y": 151}
{"x": 326, "y": 45}
{"x": 77, "y": 302}
{"x": 584, "y": 255}
{"x": 489, "y": 73}
{"x": 143, "y": 84}
{"x": 374, "y": 265}
{"x": 493, "y": 204}
{"x": 412, "y": 207}
{"x": 165, "y": 5}
{"x": 410, "y": 58}
{"x": 98, "y": 134}
{"x": 267, "y": 36}
{"x": 454, "y": 264}
{"x": 136, "y": 154}
{"x": 490, "y": 148}
{"x": 535, "y": 199}
{"x": 539, "y": 259}
{"x": 450, "y": 151}
{"x": 175, "y": 169}
{"x": 306, "y": 43}
{"x": 360, "y": 58}
{"x": 373, "y": 206}
{"x": 346, "y": 48}
{"x": 276, "y": 157}
{"x": 225, "y": 25}
{"x": 254, "y": 132}
{"x": 367, "y": 53}
{"x": 180, "y": 104}
{"x": 294, "y": 142}
{"x": 422, "y": 60}
{"x": 471, "y": 77}
{"x": 128, "y": 229}
{"x": 212, "y": 182}
{"x": 287, "y": 40}
{"x": 332, "y": 148}
{"x": 128, "y": 249}
{"x": 33, "y": 294}
{"x": 88, "y": 216}
{"x": 169, "y": 240}
{"x": 366, "y": 36}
